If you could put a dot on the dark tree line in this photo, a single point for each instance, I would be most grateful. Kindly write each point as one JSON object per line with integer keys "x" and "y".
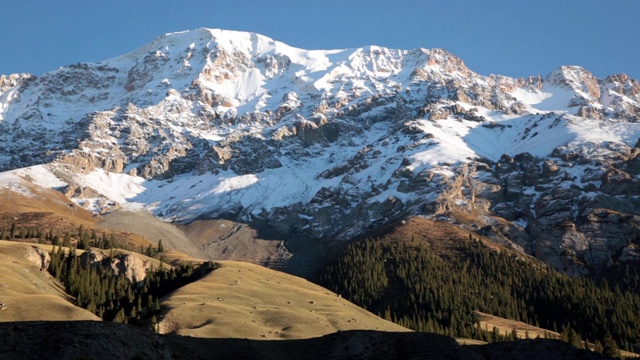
{"x": 114, "y": 297}
{"x": 80, "y": 237}
{"x": 419, "y": 290}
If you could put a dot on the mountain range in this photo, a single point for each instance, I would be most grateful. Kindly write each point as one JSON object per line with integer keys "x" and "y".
{"x": 313, "y": 148}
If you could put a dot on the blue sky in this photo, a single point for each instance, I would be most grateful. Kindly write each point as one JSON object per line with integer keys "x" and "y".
{"x": 514, "y": 38}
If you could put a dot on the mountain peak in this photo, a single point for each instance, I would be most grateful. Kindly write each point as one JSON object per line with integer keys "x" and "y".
{"x": 568, "y": 74}
{"x": 576, "y": 78}
{"x": 249, "y": 42}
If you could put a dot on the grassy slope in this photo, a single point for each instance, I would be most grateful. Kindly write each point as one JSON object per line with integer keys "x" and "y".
{"x": 30, "y": 293}
{"x": 242, "y": 300}
{"x": 47, "y": 208}
{"x": 506, "y": 326}
{"x": 441, "y": 237}
{"x": 285, "y": 306}
{"x": 239, "y": 300}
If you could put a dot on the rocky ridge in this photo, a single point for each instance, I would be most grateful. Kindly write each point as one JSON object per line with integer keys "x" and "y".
{"x": 327, "y": 145}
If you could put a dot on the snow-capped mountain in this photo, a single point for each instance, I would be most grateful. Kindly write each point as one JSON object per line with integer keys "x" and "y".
{"x": 332, "y": 144}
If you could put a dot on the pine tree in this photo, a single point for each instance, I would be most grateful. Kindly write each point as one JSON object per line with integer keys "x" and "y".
{"x": 609, "y": 347}
{"x": 120, "y": 316}
{"x": 574, "y": 339}
{"x": 597, "y": 347}
{"x": 564, "y": 334}
{"x": 91, "y": 306}
{"x": 495, "y": 335}
{"x": 139, "y": 305}
{"x": 154, "y": 324}
{"x": 66, "y": 242}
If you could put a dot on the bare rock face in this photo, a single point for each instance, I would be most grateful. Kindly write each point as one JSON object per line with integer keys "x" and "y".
{"x": 129, "y": 265}
{"x": 38, "y": 257}
{"x": 13, "y": 81}
{"x": 568, "y": 225}
{"x": 133, "y": 268}
{"x": 92, "y": 257}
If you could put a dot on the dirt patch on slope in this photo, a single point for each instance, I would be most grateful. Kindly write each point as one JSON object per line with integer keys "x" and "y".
{"x": 228, "y": 240}
{"x": 203, "y": 239}
{"x": 153, "y": 229}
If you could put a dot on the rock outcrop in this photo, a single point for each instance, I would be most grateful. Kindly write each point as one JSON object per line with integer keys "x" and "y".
{"x": 129, "y": 265}
{"x": 38, "y": 257}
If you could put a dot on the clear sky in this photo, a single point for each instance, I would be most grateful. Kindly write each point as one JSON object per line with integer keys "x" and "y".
{"x": 514, "y": 38}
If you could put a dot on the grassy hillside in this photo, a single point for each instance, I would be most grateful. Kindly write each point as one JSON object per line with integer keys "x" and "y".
{"x": 28, "y": 292}
{"x": 48, "y": 209}
{"x": 239, "y": 300}
{"x": 242, "y": 300}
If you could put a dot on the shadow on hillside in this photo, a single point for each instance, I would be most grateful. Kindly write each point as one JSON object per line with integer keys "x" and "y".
{"x": 105, "y": 340}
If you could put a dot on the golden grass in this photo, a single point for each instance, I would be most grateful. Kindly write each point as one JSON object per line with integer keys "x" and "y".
{"x": 177, "y": 258}
{"x": 31, "y": 294}
{"x": 465, "y": 341}
{"x": 441, "y": 237}
{"x": 242, "y": 300}
{"x": 50, "y": 210}
{"x": 506, "y": 326}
